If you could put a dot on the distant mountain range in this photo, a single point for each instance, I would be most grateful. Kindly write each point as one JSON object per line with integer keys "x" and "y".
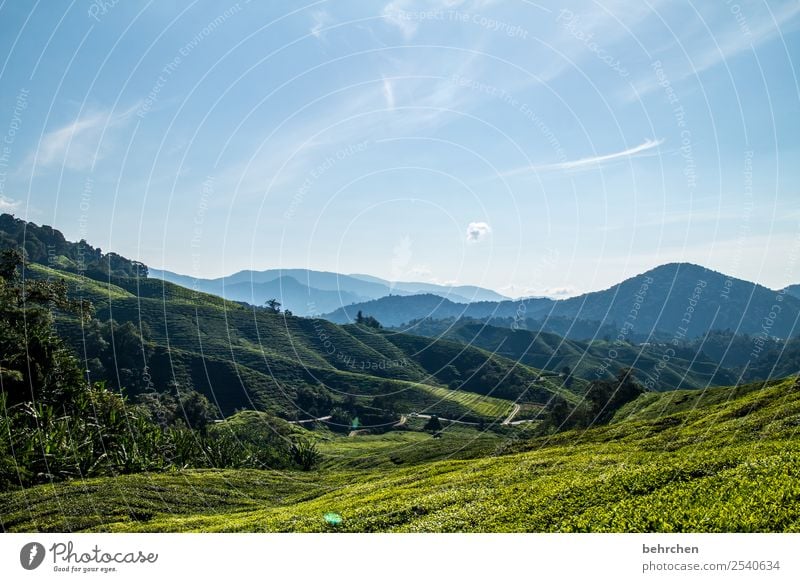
{"x": 250, "y": 358}
{"x": 678, "y": 300}
{"x": 309, "y": 293}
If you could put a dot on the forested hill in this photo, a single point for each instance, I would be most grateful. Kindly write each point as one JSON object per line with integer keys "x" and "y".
{"x": 149, "y": 335}
{"x": 45, "y": 245}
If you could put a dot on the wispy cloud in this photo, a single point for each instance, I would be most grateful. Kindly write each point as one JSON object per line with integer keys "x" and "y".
{"x": 592, "y": 162}
{"x": 81, "y": 143}
{"x": 397, "y": 102}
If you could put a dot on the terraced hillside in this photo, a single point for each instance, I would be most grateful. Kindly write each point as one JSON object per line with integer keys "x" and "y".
{"x": 661, "y": 366}
{"x": 724, "y": 459}
{"x": 245, "y": 357}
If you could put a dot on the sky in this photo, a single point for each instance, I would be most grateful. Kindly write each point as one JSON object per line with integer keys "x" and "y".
{"x": 531, "y": 148}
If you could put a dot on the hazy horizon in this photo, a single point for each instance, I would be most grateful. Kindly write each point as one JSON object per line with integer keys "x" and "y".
{"x": 357, "y": 275}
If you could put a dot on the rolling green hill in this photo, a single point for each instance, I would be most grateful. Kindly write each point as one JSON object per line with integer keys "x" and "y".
{"x": 297, "y": 367}
{"x": 165, "y": 337}
{"x": 724, "y": 459}
{"x": 409, "y": 433}
{"x": 660, "y": 366}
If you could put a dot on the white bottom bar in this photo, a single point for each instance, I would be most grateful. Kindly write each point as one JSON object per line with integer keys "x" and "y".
{"x": 352, "y": 557}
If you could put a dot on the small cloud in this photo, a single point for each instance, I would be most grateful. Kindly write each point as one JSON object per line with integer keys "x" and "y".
{"x": 478, "y": 231}
{"x": 7, "y": 204}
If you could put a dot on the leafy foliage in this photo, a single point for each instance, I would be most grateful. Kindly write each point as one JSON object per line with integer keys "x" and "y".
{"x": 722, "y": 460}
{"x": 368, "y": 320}
{"x": 34, "y": 363}
{"x": 47, "y": 246}
{"x": 305, "y": 454}
{"x": 55, "y": 425}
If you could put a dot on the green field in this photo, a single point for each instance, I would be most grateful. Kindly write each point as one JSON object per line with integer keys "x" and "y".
{"x": 726, "y": 459}
{"x": 485, "y": 406}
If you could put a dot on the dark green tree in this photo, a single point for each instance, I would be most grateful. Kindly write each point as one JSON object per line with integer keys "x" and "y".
{"x": 433, "y": 425}
{"x": 341, "y": 419}
{"x": 367, "y": 320}
{"x": 605, "y": 397}
{"x": 566, "y": 373}
{"x": 197, "y": 410}
{"x": 35, "y": 365}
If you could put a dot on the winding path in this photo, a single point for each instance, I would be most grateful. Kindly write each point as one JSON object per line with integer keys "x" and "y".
{"x": 306, "y": 421}
{"x": 511, "y": 416}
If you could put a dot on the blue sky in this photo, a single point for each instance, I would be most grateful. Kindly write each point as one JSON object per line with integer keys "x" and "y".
{"x": 524, "y": 147}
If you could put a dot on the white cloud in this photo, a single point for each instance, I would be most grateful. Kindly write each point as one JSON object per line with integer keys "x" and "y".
{"x": 478, "y": 231}
{"x": 7, "y": 204}
{"x": 80, "y": 144}
{"x": 592, "y": 162}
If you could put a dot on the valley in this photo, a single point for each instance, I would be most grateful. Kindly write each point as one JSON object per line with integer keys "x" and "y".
{"x": 459, "y": 423}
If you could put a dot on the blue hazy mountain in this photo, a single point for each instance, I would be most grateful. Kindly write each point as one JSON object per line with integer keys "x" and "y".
{"x": 674, "y": 300}
{"x": 309, "y": 292}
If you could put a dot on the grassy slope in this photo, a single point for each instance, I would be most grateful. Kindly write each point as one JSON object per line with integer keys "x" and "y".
{"x": 588, "y": 359}
{"x": 722, "y": 460}
{"x": 243, "y": 358}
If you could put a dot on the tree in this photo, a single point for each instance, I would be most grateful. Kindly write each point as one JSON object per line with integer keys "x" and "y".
{"x": 566, "y": 373}
{"x": 139, "y": 269}
{"x": 433, "y": 425}
{"x": 370, "y": 321}
{"x": 607, "y": 396}
{"x": 273, "y": 305}
{"x": 198, "y": 412}
{"x": 35, "y": 365}
{"x": 559, "y": 412}
{"x": 341, "y": 419}
{"x": 367, "y": 320}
